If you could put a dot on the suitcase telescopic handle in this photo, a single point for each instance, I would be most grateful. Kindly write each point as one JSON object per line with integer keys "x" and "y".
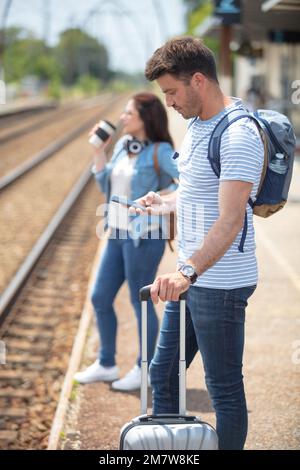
{"x": 144, "y": 295}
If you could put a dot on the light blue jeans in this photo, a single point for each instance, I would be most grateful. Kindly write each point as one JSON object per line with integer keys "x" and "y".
{"x": 121, "y": 261}
{"x": 215, "y": 326}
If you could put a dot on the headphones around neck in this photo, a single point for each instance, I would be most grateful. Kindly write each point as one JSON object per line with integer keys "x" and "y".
{"x": 135, "y": 146}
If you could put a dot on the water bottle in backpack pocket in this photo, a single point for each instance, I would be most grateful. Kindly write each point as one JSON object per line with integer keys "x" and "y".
{"x": 279, "y": 164}
{"x": 272, "y": 194}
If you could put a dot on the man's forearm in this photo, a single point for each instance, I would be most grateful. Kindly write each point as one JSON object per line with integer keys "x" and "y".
{"x": 216, "y": 243}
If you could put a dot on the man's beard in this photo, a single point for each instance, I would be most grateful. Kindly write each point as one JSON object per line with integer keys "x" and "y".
{"x": 193, "y": 105}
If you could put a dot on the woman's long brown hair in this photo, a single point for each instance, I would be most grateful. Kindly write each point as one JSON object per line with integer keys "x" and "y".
{"x": 154, "y": 116}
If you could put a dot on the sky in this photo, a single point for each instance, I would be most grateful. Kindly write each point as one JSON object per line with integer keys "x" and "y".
{"x": 130, "y": 29}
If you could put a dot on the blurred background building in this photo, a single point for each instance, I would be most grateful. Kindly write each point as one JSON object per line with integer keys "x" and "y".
{"x": 259, "y": 51}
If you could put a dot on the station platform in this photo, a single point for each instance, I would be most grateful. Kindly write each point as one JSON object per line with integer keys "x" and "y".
{"x": 23, "y": 105}
{"x": 96, "y": 413}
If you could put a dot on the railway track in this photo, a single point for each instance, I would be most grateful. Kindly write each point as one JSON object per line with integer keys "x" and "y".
{"x": 27, "y": 205}
{"x": 21, "y": 149}
{"x": 48, "y": 151}
{"x": 7, "y": 117}
{"x": 17, "y": 125}
{"x": 39, "y": 331}
{"x": 40, "y": 313}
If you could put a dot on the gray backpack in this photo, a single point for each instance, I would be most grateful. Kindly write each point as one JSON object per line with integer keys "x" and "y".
{"x": 279, "y": 142}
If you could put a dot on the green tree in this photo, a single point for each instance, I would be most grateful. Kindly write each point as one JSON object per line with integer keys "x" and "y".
{"x": 26, "y": 55}
{"x": 79, "y": 54}
{"x": 197, "y": 12}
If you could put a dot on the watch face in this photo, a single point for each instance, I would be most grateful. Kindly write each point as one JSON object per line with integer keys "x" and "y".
{"x": 188, "y": 270}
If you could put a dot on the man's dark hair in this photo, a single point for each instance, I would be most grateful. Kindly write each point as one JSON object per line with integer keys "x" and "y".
{"x": 182, "y": 57}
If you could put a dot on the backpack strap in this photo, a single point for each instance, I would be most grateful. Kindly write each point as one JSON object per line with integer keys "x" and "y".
{"x": 265, "y": 164}
{"x": 155, "y": 159}
{"x": 171, "y": 215}
{"x": 263, "y": 174}
{"x": 214, "y": 144}
{"x": 214, "y": 157}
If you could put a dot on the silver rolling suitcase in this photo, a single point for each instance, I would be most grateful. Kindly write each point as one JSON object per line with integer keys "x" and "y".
{"x": 173, "y": 431}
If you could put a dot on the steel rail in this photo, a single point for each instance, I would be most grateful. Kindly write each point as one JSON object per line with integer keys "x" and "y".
{"x": 9, "y": 294}
{"x": 86, "y": 103}
{"x": 48, "y": 151}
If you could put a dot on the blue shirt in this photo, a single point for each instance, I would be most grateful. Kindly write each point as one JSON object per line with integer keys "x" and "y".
{"x": 144, "y": 178}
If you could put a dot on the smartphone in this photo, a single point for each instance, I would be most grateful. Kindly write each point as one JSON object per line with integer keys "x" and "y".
{"x": 126, "y": 202}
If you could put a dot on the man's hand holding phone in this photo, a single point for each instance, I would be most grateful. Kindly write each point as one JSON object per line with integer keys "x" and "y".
{"x": 127, "y": 203}
{"x": 155, "y": 204}
{"x": 152, "y": 203}
{"x": 142, "y": 206}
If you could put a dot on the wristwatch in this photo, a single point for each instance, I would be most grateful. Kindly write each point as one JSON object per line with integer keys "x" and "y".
{"x": 189, "y": 272}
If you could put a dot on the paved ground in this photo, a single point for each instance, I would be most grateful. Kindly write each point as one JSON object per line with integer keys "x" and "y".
{"x": 272, "y": 355}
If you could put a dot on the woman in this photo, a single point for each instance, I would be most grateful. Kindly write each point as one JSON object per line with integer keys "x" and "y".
{"x": 141, "y": 162}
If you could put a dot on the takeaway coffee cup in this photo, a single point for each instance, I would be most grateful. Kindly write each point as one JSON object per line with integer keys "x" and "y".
{"x": 104, "y": 131}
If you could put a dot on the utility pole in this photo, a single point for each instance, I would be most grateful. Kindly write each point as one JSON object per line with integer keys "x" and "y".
{"x": 7, "y": 6}
{"x": 230, "y": 13}
{"x": 46, "y": 20}
{"x": 225, "y": 58}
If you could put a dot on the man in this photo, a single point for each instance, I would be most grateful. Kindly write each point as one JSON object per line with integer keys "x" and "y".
{"x": 219, "y": 274}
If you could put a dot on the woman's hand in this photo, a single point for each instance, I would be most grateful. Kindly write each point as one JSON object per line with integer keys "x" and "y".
{"x": 99, "y": 153}
{"x": 104, "y": 144}
{"x": 93, "y": 130}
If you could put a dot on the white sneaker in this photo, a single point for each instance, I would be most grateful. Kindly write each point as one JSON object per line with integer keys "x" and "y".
{"x": 96, "y": 372}
{"x": 131, "y": 381}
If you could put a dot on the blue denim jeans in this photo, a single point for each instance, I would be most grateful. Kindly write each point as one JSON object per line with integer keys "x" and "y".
{"x": 214, "y": 326}
{"x": 121, "y": 261}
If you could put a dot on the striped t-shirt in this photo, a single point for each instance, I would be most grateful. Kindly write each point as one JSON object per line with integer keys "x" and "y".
{"x": 242, "y": 155}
